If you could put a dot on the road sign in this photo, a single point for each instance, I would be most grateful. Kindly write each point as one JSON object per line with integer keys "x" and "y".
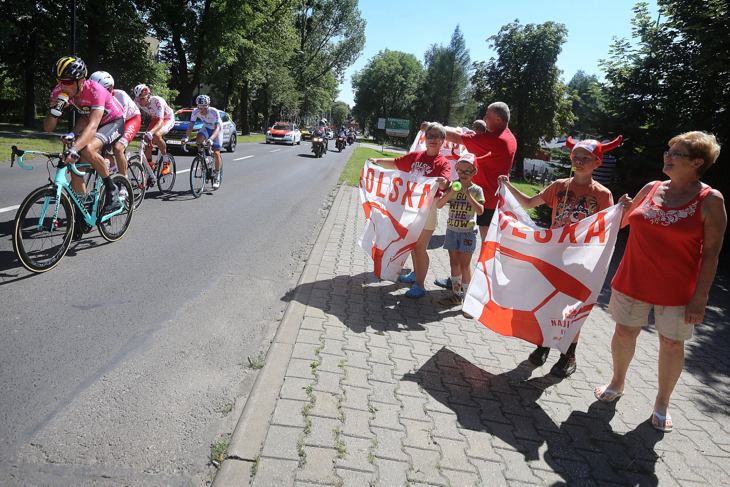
{"x": 381, "y": 123}
{"x": 397, "y": 127}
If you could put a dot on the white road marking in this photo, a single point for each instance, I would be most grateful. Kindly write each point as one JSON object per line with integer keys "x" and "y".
{"x": 183, "y": 171}
{"x": 9, "y": 208}
{"x": 277, "y": 150}
{"x": 242, "y": 158}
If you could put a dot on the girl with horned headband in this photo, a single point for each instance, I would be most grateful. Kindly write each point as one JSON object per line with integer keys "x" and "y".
{"x": 572, "y": 200}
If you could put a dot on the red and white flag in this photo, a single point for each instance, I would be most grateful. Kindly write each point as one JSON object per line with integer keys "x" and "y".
{"x": 452, "y": 152}
{"x": 540, "y": 285}
{"x": 396, "y": 204}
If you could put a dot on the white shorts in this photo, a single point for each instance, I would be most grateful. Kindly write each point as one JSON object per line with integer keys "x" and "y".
{"x": 668, "y": 320}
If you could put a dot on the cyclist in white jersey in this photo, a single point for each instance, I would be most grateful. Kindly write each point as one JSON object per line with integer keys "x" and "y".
{"x": 210, "y": 133}
{"x": 132, "y": 118}
{"x": 163, "y": 119}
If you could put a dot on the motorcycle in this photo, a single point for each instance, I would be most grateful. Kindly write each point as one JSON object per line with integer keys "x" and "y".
{"x": 350, "y": 138}
{"x": 318, "y": 146}
{"x": 340, "y": 143}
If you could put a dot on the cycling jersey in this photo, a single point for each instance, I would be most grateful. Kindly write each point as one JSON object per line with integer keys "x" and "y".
{"x": 94, "y": 97}
{"x": 157, "y": 108}
{"x": 128, "y": 105}
{"x": 210, "y": 119}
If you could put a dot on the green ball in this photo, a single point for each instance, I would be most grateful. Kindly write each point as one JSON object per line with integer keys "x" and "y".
{"x": 456, "y": 186}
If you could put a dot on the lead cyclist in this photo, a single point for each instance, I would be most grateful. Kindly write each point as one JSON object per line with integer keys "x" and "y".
{"x": 210, "y": 133}
{"x": 132, "y": 118}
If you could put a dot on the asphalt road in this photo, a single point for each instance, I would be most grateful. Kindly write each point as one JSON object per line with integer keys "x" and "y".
{"x": 116, "y": 366}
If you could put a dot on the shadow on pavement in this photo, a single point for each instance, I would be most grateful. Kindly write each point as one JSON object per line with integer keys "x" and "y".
{"x": 582, "y": 448}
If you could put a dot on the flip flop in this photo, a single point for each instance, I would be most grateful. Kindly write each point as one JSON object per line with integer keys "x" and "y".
{"x": 409, "y": 278}
{"x": 659, "y": 417}
{"x": 602, "y": 391}
{"x": 415, "y": 292}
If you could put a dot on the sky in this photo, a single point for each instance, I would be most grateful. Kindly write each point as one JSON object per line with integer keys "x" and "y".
{"x": 412, "y": 27}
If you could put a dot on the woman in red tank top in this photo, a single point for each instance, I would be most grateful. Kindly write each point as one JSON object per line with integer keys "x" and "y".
{"x": 677, "y": 228}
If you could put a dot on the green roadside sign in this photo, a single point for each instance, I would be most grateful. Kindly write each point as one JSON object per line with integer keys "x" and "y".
{"x": 397, "y": 127}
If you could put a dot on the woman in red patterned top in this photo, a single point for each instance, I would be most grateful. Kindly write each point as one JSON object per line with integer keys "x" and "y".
{"x": 677, "y": 228}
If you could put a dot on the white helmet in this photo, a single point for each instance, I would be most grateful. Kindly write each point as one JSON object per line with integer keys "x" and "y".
{"x": 104, "y": 79}
{"x": 141, "y": 90}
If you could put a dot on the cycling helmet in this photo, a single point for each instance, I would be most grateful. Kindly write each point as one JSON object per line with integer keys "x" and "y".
{"x": 323, "y": 121}
{"x": 141, "y": 90}
{"x": 202, "y": 100}
{"x": 69, "y": 68}
{"x": 104, "y": 79}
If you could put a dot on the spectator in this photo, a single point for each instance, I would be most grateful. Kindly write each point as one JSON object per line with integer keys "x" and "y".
{"x": 677, "y": 228}
{"x": 430, "y": 163}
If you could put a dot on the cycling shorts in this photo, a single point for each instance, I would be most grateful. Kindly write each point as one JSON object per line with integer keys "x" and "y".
{"x": 131, "y": 127}
{"x": 169, "y": 122}
{"x": 110, "y": 133}
{"x": 218, "y": 141}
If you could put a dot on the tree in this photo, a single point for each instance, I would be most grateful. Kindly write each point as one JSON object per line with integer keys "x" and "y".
{"x": 587, "y": 105}
{"x": 526, "y": 77}
{"x": 386, "y": 87}
{"x": 340, "y": 113}
{"x": 444, "y": 92}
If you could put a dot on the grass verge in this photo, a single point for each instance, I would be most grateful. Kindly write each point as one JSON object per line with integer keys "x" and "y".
{"x": 351, "y": 175}
{"x": 242, "y": 139}
{"x": 43, "y": 144}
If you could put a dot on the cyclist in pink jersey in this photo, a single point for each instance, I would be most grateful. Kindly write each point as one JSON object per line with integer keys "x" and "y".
{"x": 132, "y": 118}
{"x": 101, "y": 125}
{"x": 163, "y": 118}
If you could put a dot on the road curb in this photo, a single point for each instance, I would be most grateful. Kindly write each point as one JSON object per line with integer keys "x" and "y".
{"x": 253, "y": 424}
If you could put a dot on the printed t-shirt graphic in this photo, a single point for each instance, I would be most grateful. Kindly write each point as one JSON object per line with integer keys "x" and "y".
{"x": 462, "y": 217}
{"x": 582, "y": 201}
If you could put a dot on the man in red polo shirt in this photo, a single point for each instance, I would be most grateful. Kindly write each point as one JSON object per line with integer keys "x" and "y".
{"x": 494, "y": 151}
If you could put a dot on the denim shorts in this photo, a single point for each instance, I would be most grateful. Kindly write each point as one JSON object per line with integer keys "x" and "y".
{"x": 461, "y": 241}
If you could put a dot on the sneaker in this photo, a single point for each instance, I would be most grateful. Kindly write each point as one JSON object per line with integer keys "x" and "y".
{"x": 217, "y": 180}
{"x": 165, "y": 168}
{"x": 539, "y": 356}
{"x": 564, "y": 367}
{"x": 466, "y": 315}
{"x": 445, "y": 283}
{"x": 452, "y": 300}
{"x": 112, "y": 201}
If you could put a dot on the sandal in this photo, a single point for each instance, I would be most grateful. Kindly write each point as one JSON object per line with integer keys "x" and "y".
{"x": 668, "y": 423}
{"x": 601, "y": 393}
{"x": 409, "y": 278}
{"x": 415, "y": 292}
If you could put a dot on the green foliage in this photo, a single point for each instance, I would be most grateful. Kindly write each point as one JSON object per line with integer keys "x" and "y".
{"x": 526, "y": 77}
{"x": 340, "y": 112}
{"x": 386, "y": 87}
{"x": 351, "y": 175}
{"x": 587, "y": 105}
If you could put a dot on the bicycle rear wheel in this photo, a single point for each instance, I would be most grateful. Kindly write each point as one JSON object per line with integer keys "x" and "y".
{"x": 167, "y": 181}
{"x": 115, "y": 227}
{"x": 135, "y": 174}
{"x": 197, "y": 176}
{"x": 37, "y": 241}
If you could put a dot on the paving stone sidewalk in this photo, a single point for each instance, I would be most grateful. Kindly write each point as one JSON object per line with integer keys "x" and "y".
{"x": 383, "y": 390}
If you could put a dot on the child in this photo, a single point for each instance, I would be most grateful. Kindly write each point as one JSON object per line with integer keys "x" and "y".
{"x": 461, "y": 231}
{"x": 572, "y": 200}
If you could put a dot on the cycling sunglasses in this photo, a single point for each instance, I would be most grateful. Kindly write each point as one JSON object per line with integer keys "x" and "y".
{"x": 66, "y": 82}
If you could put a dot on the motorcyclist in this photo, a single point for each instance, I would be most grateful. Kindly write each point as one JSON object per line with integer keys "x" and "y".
{"x": 322, "y": 129}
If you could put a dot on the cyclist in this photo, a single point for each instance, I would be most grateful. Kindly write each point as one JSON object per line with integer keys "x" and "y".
{"x": 132, "y": 118}
{"x": 101, "y": 125}
{"x": 163, "y": 118}
{"x": 210, "y": 133}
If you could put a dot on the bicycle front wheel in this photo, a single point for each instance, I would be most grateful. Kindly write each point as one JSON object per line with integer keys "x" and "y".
{"x": 166, "y": 181}
{"x": 39, "y": 241}
{"x": 114, "y": 228}
{"x": 197, "y": 176}
{"x": 135, "y": 174}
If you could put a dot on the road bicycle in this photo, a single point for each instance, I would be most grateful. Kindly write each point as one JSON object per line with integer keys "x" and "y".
{"x": 202, "y": 169}
{"x": 135, "y": 174}
{"x": 153, "y": 171}
{"x": 45, "y": 220}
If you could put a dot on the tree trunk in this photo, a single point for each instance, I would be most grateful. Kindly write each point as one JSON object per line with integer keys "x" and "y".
{"x": 243, "y": 120}
{"x": 186, "y": 91}
{"x": 200, "y": 44}
{"x": 28, "y": 74}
